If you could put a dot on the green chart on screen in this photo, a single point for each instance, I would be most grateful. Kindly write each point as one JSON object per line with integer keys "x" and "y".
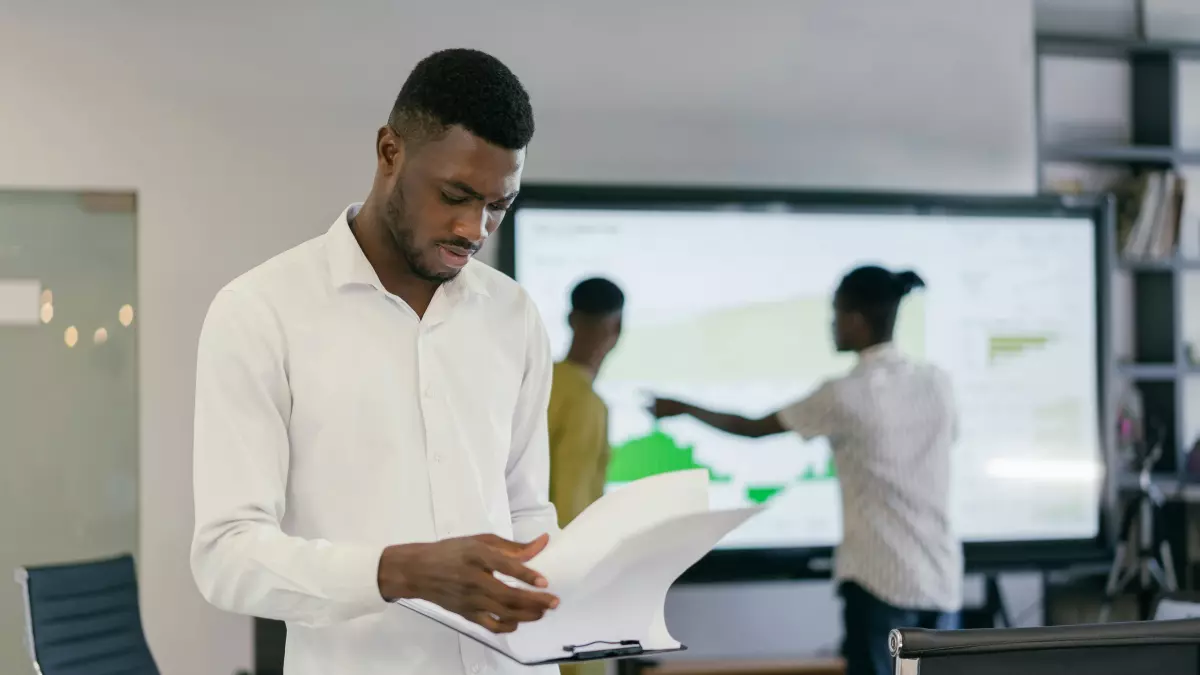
{"x": 659, "y": 452}
{"x": 656, "y": 452}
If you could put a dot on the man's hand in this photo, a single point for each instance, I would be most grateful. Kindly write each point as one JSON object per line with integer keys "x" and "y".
{"x": 668, "y": 407}
{"x": 457, "y": 574}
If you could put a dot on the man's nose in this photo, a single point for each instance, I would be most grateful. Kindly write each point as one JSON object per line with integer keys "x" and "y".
{"x": 472, "y": 225}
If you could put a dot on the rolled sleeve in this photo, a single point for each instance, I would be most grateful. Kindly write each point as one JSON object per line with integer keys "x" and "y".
{"x": 815, "y": 415}
{"x": 241, "y": 559}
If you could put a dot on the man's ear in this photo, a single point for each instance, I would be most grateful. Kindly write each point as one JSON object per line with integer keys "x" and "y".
{"x": 389, "y": 151}
{"x": 571, "y": 319}
{"x": 860, "y": 322}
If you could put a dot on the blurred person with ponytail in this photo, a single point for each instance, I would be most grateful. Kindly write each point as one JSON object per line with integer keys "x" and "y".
{"x": 891, "y": 422}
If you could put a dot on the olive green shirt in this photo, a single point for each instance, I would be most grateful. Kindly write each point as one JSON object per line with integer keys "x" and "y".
{"x": 578, "y": 441}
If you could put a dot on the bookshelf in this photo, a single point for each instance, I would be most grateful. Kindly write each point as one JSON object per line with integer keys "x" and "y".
{"x": 1159, "y": 362}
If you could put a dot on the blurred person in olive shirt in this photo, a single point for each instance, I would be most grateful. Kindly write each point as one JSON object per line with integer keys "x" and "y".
{"x": 578, "y": 417}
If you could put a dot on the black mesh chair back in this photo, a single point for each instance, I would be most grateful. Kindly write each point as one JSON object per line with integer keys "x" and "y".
{"x": 84, "y": 619}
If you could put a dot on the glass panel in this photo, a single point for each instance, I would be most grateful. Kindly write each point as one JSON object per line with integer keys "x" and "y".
{"x": 68, "y": 387}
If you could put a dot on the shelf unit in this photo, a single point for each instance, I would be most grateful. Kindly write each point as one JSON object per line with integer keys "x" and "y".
{"x": 1161, "y": 361}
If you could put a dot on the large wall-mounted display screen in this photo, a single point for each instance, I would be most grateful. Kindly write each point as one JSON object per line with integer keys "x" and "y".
{"x": 729, "y": 306}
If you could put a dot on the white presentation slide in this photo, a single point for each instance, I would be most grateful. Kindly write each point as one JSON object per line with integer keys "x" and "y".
{"x": 732, "y": 311}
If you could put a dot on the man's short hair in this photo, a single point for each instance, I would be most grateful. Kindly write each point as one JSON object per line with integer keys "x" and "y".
{"x": 597, "y": 297}
{"x": 467, "y": 88}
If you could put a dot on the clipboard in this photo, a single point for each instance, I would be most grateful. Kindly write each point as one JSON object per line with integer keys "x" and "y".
{"x": 599, "y": 650}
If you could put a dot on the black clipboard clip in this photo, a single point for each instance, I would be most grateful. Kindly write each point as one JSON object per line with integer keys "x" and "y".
{"x": 605, "y": 650}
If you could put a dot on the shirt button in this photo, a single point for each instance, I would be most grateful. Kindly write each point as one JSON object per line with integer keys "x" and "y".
{"x": 475, "y": 667}
{"x": 437, "y": 457}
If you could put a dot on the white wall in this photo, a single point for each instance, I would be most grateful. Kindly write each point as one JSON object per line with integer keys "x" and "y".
{"x": 246, "y": 127}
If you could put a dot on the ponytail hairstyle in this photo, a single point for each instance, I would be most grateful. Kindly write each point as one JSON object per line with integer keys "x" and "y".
{"x": 875, "y": 293}
{"x": 905, "y": 282}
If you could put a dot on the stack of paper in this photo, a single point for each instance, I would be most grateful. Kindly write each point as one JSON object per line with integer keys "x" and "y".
{"x": 611, "y": 568}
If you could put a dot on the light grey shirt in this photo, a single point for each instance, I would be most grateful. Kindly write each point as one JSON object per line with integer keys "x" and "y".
{"x": 891, "y": 423}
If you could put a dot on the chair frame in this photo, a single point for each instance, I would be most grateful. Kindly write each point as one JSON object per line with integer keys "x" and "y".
{"x": 901, "y": 666}
{"x": 22, "y": 579}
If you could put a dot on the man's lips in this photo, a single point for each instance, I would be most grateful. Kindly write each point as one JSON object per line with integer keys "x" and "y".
{"x": 454, "y": 256}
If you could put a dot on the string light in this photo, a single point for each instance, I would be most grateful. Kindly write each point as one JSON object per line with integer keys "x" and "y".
{"x": 47, "y": 312}
{"x": 101, "y": 336}
{"x": 71, "y": 336}
{"x": 126, "y": 315}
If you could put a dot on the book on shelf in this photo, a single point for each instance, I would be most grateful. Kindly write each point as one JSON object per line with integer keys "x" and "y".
{"x": 1154, "y": 234}
{"x": 1155, "y": 220}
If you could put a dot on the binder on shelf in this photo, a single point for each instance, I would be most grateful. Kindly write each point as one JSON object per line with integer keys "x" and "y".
{"x": 611, "y": 568}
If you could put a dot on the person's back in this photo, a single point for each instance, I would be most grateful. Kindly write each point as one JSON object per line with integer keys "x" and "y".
{"x": 892, "y": 451}
{"x": 890, "y": 422}
{"x": 578, "y": 427}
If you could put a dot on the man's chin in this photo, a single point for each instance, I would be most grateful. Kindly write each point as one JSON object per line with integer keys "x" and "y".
{"x": 438, "y": 275}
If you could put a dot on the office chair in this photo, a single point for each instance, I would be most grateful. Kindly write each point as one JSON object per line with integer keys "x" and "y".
{"x": 1159, "y": 647}
{"x": 84, "y": 619}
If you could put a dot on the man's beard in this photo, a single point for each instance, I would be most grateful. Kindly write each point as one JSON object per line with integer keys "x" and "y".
{"x": 401, "y": 240}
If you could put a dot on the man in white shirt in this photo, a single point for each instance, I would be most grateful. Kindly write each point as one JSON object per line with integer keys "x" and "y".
{"x": 891, "y": 423}
{"x": 371, "y": 405}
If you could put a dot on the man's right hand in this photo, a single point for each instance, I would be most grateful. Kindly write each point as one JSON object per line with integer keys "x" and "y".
{"x": 457, "y": 574}
{"x": 668, "y": 407}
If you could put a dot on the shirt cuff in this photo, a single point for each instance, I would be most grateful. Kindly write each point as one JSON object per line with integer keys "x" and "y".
{"x": 354, "y": 577}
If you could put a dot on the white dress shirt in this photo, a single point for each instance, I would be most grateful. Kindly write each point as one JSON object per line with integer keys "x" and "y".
{"x": 891, "y": 423}
{"x": 331, "y": 422}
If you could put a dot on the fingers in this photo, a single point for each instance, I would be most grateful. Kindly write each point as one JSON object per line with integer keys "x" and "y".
{"x": 534, "y": 547}
{"x": 506, "y": 557}
{"x": 498, "y": 608}
{"x": 513, "y": 598}
{"x": 499, "y": 542}
{"x": 513, "y": 567}
{"x": 508, "y": 546}
{"x": 491, "y": 623}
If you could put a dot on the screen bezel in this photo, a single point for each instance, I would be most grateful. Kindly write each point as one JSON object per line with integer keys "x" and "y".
{"x": 753, "y": 564}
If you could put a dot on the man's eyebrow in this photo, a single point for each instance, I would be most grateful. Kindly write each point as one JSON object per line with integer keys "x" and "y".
{"x": 474, "y": 194}
{"x": 470, "y": 191}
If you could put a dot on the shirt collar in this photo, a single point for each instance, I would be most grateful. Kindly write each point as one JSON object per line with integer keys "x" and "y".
{"x": 577, "y": 371}
{"x": 348, "y": 265}
{"x": 875, "y": 353}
